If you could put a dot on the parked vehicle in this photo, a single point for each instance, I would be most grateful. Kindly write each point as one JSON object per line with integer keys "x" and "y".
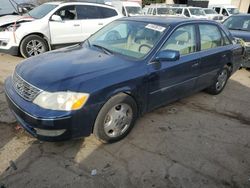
{"x": 194, "y": 12}
{"x": 225, "y": 10}
{"x": 239, "y": 26}
{"x": 189, "y": 12}
{"x": 213, "y": 15}
{"x": 53, "y": 25}
{"x": 129, "y": 67}
{"x": 176, "y": 11}
{"x": 157, "y": 10}
{"x": 131, "y": 8}
{"x": 145, "y": 9}
{"x": 127, "y": 8}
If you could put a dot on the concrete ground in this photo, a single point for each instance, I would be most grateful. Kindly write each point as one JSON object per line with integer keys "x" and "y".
{"x": 201, "y": 141}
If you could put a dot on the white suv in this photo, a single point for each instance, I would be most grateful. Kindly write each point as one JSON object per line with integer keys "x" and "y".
{"x": 53, "y": 25}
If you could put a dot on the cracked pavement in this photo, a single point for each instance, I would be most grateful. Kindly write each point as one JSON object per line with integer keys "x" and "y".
{"x": 202, "y": 141}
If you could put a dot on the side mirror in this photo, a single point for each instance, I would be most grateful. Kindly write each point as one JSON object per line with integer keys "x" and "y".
{"x": 168, "y": 55}
{"x": 56, "y": 18}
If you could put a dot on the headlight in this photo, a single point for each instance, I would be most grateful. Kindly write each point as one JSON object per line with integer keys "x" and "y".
{"x": 64, "y": 101}
{"x": 12, "y": 27}
{"x": 247, "y": 44}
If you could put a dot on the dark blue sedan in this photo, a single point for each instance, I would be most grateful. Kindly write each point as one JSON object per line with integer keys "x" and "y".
{"x": 239, "y": 26}
{"x": 129, "y": 67}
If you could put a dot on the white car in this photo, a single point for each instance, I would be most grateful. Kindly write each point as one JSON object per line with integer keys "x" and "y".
{"x": 53, "y": 25}
{"x": 213, "y": 15}
{"x": 188, "y": 12}
{"x": 225, "y": 10}
{"x": 194, "y": 12}
{"x": 127, "y": 8}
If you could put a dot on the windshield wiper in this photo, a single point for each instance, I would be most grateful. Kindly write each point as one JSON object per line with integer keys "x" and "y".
{"x": 105, "y": 50}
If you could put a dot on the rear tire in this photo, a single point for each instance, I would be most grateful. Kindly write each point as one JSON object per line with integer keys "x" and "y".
{"x": 220, "y": 81}
{"x": 116, "y": 118}
{"x": 33, "y": 45}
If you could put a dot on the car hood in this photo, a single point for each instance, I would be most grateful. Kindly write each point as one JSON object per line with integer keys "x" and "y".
{"x": 244, "y": 35}
{"x": 9, "y": 19}
{"x": 69, "y": 67}
{"x": 199, "y": 17}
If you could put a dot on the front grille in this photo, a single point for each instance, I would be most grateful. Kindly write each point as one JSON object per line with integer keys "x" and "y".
{"x": 25, "y": 89}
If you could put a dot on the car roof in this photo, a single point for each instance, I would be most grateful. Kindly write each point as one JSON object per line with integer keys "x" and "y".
{"x": 166, "y": 20}
{"x": 78, "y": 3}
{"x": 246, "y": 15}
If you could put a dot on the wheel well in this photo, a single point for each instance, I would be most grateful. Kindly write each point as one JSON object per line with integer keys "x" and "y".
{"x": 40, "y": 35}
{"x": 136, "y": 102}
{"x": 230, "y": 65}
{"x": 125, "y": 93}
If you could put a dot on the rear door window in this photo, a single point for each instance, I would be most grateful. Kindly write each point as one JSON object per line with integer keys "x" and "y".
{"x": 88, "y": 12}
{"x": 210, "y": 36}
{"x": 107, "y": 12}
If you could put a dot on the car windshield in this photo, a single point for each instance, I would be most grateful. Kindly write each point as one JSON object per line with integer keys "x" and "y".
{"x": 233, "y": 10}
{"x": 130, "y": 38}
{"x": 197, "y": 12}
{"x": 41, "y": 11}
{"x": 7, "y": 7}
{"x": 238, "y": 23}
{"x": 210, "y": 11}
{"x": 162, "y": 11}
{"x": 133, "y": 10}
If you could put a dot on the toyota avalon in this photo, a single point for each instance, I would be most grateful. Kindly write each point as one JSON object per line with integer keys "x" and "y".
{"x": 131, "y": 66}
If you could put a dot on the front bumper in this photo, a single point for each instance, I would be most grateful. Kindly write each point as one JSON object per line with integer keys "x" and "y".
{"x": 35, "y": 119}
{"x": 9, "y": 43}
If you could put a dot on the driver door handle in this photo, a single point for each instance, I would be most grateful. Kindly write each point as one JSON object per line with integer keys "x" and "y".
{"x": 76, "y": 25}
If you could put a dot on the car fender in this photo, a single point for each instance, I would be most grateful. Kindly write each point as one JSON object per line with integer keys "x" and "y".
{"x": 34, "y": 27}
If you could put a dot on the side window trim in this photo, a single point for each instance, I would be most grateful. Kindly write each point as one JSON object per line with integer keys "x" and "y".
{"x": 222, "y": 32}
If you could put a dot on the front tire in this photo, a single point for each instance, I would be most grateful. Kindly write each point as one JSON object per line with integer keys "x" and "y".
{"x": 116, "y": 118}
{"x": 33, "y": 45}
{"x": 220, "y": 81}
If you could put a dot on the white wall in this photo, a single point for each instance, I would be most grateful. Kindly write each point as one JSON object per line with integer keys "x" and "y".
{"x": 219, "y": 2}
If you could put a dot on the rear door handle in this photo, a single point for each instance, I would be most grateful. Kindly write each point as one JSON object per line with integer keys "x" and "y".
{"x": 76, "y": 25}
{"x": 195, "y": 65}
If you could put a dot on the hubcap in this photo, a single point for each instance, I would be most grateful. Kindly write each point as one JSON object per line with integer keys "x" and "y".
{"x": 221, "y": 81}
{"x": 118, "y": 120}
{"x": 35, "y": 47}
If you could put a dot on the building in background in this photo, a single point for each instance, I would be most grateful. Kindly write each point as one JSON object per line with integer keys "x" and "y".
{"x": 242, "y": 5}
